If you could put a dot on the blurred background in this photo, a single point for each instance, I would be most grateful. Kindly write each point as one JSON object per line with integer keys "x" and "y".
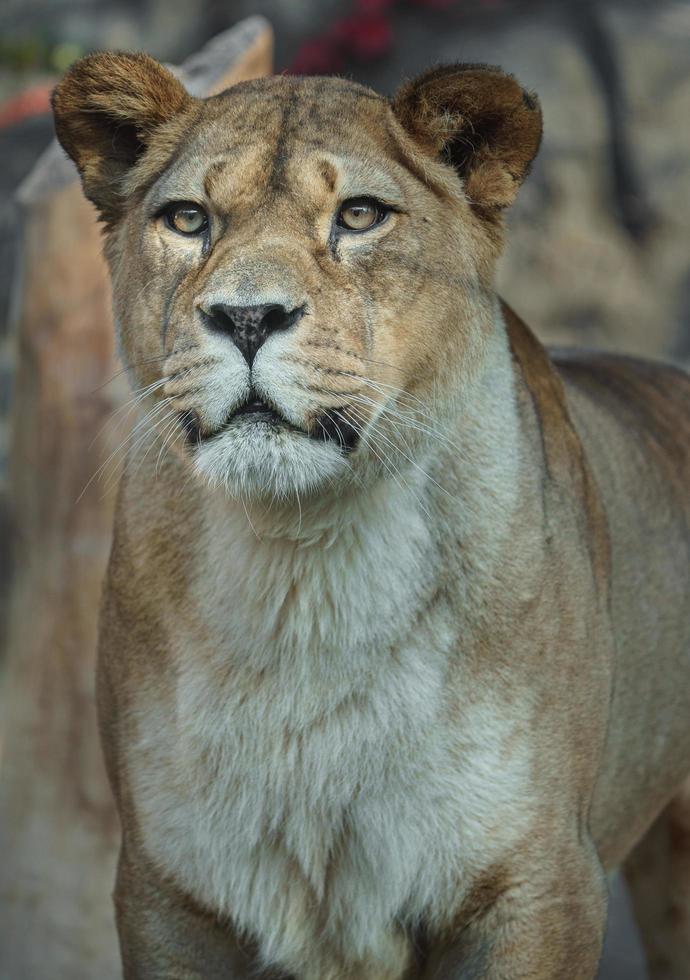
{"x": 599, "y": 241}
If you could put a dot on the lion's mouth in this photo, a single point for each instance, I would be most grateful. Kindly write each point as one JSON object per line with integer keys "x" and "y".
{"x": 258, "y": 407}
{"x": 253, "y": 409}
{"x": 328, "y": 428}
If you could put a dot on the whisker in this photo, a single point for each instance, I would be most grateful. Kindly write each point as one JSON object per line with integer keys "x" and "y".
{"x": 145, "y": 360}
{"x": 381, "y": 388}
{"x": 204, "y": 362}
{"x": 187, "y": 391}
{"x": 327, "y": 437}
{"x": 328, "y": 392}
{"x": 364, "y": 437}
{"x": 410, "y": 422}
{"x": 139, "y": 395}
{"x": 171, "y": 430}
{"x": 410, "y": 460}
{"x": 299, "y": 507}
{"x": 249, "y": 520}
{"x": 141, "y": 438}
{"x": 431, "y": 429}
{"x": 393, "y": 471}
{"x": 149, "y": 415}
{"x": 337, "y": 427}
{"x": 139, "y": 434}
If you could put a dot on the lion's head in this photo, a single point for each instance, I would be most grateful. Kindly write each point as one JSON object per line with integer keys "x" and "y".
{"x": 302, "y": 269}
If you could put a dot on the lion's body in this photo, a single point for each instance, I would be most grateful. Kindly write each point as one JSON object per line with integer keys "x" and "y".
{"x": 633, "y": 418}
{"x": 399, "y": 722}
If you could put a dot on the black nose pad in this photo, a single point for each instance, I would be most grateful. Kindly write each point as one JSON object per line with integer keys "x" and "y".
{"x": 249, "y": 326}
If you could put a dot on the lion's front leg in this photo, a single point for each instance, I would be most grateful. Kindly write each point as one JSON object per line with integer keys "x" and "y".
{"x": 165, "y": 936}
{"x": 542, "y": 927}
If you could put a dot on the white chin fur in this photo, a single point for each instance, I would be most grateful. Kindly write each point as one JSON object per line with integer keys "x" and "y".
{"x": 253, "y": 458}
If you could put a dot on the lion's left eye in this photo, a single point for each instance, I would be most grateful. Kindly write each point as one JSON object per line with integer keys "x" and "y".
{"x": 186, "y": 218}
{"x": 361, "y": 213}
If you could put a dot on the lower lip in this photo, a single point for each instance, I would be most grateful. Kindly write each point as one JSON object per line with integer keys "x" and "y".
{"x": 259, "y": 412}
{"x": 255, "y": 412}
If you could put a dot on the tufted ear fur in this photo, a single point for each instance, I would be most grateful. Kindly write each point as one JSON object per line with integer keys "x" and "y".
{"x": 481, "y": 121}
{"x": 106, "y": 110}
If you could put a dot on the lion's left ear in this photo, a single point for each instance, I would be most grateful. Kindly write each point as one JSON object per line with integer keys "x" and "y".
{"x": 478, "y": 119}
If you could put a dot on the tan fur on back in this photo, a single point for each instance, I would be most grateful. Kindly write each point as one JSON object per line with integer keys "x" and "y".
{"x": 388, "y": 709}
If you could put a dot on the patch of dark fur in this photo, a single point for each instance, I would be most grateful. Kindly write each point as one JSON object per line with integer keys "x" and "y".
{"x": 335, "y": 426}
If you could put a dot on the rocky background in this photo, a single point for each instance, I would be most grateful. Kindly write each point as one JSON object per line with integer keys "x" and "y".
{"x": 599, "y": 245}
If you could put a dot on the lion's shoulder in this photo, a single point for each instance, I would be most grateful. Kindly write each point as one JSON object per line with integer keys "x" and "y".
{"x": 650, "y": 398}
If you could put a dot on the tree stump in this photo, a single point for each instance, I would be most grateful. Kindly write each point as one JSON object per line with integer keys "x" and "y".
{"x": 58, "y": 829}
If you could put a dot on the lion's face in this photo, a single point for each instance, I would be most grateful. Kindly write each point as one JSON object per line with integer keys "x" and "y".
{"x": 309, "y": 286}
{"x": 299, "y": 278}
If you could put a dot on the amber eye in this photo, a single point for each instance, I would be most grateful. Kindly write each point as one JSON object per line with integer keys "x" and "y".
{"x": 360, "y": 213}
{"x": 186, "y": 218}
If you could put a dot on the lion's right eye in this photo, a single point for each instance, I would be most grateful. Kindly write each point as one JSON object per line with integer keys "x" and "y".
{"x": 186, "y": 218}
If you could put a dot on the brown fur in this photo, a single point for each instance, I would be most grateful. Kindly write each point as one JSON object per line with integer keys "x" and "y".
{"x": 106, "y": 110}
{"x": 548, "y": 586}
{"x": 482, "y": 121}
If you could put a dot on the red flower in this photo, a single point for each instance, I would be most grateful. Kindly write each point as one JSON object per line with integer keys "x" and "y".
{"x": 317, "y": 57}
{"x": 371, "y": 38}
{"x": 374, "y": 7}
{"x": 366, "y": 35}
{"x": 344, "y": 31}
{"x": 436, "y": 4}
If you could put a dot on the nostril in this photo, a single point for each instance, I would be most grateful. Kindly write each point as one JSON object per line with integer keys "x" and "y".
{"x": 278, "y": 318}
{"x": 266, "y": 319}
{"x": 221, "y": 318}
{"x": 249, "y": 326}
{"x": 274, "y": 318}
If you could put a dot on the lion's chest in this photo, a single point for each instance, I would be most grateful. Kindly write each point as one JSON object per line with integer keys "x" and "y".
{"x": 318, "y": 840}
{"x": 314, "y": 783}
{"x": 305, "y": 830}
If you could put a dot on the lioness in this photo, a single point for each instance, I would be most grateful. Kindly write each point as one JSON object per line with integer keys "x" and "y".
{"x": 395, "y": 644}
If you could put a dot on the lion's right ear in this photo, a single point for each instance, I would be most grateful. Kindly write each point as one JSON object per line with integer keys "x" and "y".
{"x": 106, "y": 109}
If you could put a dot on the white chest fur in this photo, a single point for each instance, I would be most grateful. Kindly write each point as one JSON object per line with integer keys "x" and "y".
{"x": 312, "y": 783}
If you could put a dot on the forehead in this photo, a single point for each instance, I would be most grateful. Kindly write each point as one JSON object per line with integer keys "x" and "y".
{"x": 309, "y": 110}
{"x": 282, "y": 132}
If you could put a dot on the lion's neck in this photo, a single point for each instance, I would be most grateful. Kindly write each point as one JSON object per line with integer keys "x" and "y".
{"x": 344, "y": 581}
{"x": 351, "y": 574}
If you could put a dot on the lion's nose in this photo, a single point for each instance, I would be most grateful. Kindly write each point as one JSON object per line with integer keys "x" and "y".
{"x": 249, "y": 326}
